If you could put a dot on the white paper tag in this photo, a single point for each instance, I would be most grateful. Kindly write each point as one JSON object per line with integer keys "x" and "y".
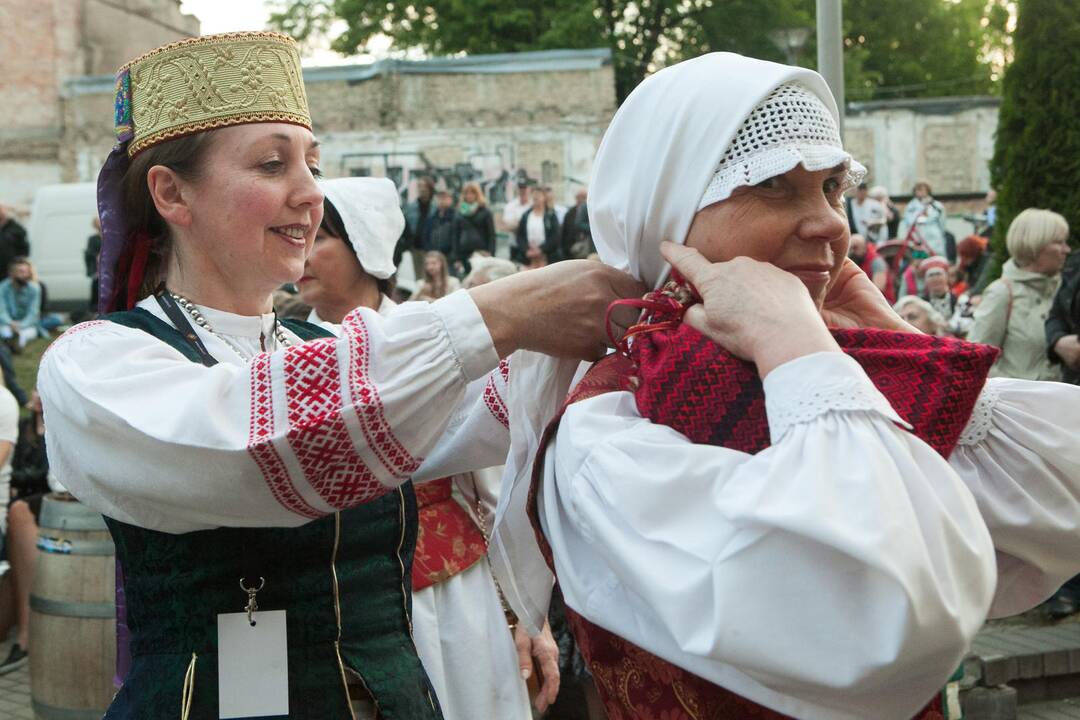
{"x": 253, "y": 665}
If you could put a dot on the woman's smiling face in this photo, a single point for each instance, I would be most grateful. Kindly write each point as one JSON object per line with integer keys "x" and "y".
{"x": 256, "y": 207}
{"x": 795, "y": 221}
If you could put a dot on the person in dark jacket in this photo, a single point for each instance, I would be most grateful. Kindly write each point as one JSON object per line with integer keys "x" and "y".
{"x": 90, "y": 257}
{"x": 13, "y": 241}
{"x": 537, "y": 235}
{"x": 442, "y": 227}
{"x": 475, "y": 229}
{"x": 576, "y": 235}
{"x": 1063, "y": 323}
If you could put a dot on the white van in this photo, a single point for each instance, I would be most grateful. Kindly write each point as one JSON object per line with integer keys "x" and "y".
{"x": 59, "y": 227}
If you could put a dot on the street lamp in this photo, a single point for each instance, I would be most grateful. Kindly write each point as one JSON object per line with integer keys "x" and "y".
{"x": 790, "y": 41}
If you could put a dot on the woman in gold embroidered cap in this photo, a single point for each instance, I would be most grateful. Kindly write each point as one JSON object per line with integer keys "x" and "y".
{"x": 255, "y": 473}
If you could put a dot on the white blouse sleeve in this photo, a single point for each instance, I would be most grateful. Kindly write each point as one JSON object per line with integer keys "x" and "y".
{"x": 1020, "y": 456}
{"x": 840, "y": 573}
{"x": 144, "y": 435}
{"x": 478, "y": 435}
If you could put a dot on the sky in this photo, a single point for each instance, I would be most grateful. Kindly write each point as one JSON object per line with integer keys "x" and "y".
{"x": 229, "y": 15}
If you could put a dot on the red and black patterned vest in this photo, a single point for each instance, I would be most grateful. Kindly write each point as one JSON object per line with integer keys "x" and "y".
{"x": 684, "y": 380}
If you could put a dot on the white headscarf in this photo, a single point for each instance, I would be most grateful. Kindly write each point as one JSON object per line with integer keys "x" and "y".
{"x": 370, "y": 210}
{"x": 684, "y": 138}
{"x": 662, "y": 150}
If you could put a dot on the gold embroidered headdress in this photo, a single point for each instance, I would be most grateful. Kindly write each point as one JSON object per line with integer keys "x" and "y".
{"x": 183, "y": 88}
{"x": 209, "y": 82}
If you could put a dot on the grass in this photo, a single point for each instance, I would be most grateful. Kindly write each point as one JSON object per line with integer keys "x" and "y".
{"x": 26, "y": 362}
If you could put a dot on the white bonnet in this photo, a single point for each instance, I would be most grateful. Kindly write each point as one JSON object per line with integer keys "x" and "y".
{"x": 370, "y": 210}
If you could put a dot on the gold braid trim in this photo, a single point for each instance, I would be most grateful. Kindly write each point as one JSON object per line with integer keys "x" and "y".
{"x": 211, "y": 82}
{"x": 172, "y": 134}
{"x": 218, "y": 38}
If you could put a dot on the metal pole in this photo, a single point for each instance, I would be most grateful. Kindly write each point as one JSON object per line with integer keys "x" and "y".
{"x": 830, "y": 50}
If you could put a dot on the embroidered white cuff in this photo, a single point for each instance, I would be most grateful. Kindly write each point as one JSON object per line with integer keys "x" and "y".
{"x": 469, "y": 336}
{"x": 806, "y": 388}
{"x": 981, "y": 416}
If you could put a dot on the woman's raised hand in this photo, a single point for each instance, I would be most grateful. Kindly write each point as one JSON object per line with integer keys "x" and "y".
{"x": 854, "y": 302}
{"x": 558, "y": 309}
{"x": 753, "y": 309}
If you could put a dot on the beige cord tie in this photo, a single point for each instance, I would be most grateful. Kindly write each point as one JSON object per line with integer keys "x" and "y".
{"x": 189, "y": 689}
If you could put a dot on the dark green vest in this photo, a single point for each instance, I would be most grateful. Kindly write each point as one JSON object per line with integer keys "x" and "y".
{"x": 358, "y": 562}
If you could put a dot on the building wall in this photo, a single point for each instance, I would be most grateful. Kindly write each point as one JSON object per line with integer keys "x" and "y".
{"x": 45, "y": 44}
{"x": 476, "y": 124}
{"x": 948, "y": 142}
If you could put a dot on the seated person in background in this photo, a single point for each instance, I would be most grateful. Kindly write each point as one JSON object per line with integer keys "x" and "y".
{"x": 9, "y": 428}
{"x": 20, "y": 304}
{"x": 487, "y": 269}
{"x": 865, "y": 255}
{"x": 922, "y": 315}
{"x": 438, "y": 282}
{"x": 935, "y": 272}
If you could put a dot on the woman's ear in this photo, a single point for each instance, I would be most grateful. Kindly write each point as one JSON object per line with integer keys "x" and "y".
{"x": 166, "y": 188}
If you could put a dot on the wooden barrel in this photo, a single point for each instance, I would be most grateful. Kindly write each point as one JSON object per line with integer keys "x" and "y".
{"x": 72, "y": 613}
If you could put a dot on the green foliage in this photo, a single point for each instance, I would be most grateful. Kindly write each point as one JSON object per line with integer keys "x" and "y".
{"x": 1037, "y": 151}
{"x": 892, "y": 49}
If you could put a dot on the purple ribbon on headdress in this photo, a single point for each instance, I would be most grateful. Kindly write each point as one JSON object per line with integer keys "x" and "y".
{"x": 115, "y": 234}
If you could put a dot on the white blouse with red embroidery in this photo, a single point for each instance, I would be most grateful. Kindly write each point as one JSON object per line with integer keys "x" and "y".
{"x": 142, "y": 434}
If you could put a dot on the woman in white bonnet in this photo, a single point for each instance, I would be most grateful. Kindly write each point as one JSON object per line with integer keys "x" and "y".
{"x": 842, "y": 572}
{"x": 458, "y": 623}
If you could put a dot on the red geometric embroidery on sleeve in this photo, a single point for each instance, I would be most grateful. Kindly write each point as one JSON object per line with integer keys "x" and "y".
{"x": 273, "y": 469}
{"x": 380, "y": 436}
{"x": 317, "y": 432}
{"x": 74, "y": 330}
{"x": 504, "y": 369}
{"x": 495, "y": 404}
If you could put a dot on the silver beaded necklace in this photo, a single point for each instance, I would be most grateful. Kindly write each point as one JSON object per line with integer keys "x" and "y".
{"x": 199, "y": 319}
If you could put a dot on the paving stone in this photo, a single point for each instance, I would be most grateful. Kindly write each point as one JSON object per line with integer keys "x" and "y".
{"x": 989, "y": 703}
{"x": 1059, "y": 710}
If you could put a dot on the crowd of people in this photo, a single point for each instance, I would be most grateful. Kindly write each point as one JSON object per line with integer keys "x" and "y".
{"x": 412, "y": 509}
{"x": 541, "y": 231}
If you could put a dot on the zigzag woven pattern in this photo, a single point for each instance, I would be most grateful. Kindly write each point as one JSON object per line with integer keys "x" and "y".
{"x": 696, "y": 387}
{"x": 685, "y": 381}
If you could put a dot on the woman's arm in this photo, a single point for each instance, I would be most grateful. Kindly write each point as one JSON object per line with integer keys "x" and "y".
{"x": 1020, "y": 457}
{"x": 847, "y": 564}
{"x": 144, "y": 435}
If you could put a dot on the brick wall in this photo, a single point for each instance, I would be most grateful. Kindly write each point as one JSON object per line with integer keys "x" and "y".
{"x": 46, "y": 43}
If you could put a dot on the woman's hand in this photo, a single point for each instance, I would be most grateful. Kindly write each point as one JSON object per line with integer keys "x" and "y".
{"x": 753, "y": 309}
{"x": 558, "y": 309}
{"x": 546, "y": 652}
{"x": 1068, "y": 349}
{"x": 854, "y": 302}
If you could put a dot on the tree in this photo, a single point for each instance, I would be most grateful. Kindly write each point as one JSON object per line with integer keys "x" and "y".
{"x": 892, "y": 49}
{"x": 1037, "y": 150}
{"x": 641, "y": 34}
{"x": 915, "y": 48}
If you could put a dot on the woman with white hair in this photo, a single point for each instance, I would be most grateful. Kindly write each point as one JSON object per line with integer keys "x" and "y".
{"x": 458, "y": 623}
{"x": 755, "y": 516}
{"x": 1014, "y": 308}
{"x": 921, "y": 315}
